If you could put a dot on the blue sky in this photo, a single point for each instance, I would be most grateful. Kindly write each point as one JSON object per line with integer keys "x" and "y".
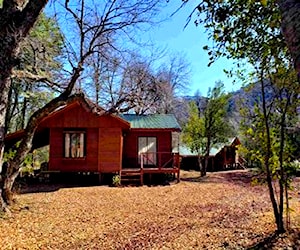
{"x": 190, "y": 42}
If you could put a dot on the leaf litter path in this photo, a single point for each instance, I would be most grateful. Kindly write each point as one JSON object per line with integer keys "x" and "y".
{"x": 220, "y": 211}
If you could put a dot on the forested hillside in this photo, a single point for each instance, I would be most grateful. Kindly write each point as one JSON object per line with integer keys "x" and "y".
{"x": 244, "y": 98}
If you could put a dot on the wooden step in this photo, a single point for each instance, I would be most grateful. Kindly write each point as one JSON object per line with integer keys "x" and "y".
{"x": 131, "y": 176}
{"x": 130, "y": 171}
{"x": 130, "y": 179}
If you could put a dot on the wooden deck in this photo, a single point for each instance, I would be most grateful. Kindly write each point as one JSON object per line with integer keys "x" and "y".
{"x": 136, "y": 175}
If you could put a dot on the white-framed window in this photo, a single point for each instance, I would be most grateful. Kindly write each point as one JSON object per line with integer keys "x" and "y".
{"x": 147, "y": 148}
{"x": 74, "y": 144}
{"x": 175, "y": 142}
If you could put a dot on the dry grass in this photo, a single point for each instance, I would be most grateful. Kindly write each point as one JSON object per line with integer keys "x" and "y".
{"x": 220, "y": 211}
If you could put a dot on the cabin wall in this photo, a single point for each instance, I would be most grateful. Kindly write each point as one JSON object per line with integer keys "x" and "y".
{"x": 79, "y": 117}
{"x": 164, "y": 144}
{"x": 103, "y": 142}
{"x": 228, "y": 156}
{"x": 110, "y": 150}
{"x": 57, "y": 162}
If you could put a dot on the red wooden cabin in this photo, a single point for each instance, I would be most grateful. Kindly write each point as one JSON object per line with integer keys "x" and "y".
{"x": 228, "y": 156}
{"x": 83, "y": 137}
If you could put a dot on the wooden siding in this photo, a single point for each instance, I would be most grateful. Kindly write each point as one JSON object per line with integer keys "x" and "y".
{"x": 57, "y": 162}
{"x": 103, "y": 144}
{"x": 78, "y": 117}
{"x": 110, "y": 148}
{"x": 164, "y": 144}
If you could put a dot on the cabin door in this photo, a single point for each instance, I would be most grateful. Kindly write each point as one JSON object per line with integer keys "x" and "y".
{"x": 147, "y": 150}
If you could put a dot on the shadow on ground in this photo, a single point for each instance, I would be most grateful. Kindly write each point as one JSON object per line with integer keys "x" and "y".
{"x": 35, "y": 185}
{"x": 289, "y": 240}
{"x": 233, "y": 176}
{"x": 67, "y": 180}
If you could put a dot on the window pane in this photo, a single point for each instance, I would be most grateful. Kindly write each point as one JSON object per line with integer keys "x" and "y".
{"x": 74, "y": 144}
{"x": 151, "y": 150}
{"x": 147, "y": 146}
{"x": 142, "y": 148}
{"x": 175, "y": 142}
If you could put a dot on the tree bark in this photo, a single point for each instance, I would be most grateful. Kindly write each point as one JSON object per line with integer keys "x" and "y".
{"x": 207, "y": 154}
{"x": 290, "y": 26}
{"x": 200, "y": 164}
{"x": 278, "y": 216}
{"x": 8, "y": 178}
{"x": 15, "y": 24}
{"x": 283, "y": 177}
{"x": 16, "y": 20}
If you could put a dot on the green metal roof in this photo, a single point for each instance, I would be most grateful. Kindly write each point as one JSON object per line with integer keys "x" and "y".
{"x": 186, "y": 151}
{"x": 153, "y": 121}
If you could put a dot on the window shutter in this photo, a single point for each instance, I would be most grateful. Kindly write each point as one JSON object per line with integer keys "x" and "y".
{"x": 67, "y": 145}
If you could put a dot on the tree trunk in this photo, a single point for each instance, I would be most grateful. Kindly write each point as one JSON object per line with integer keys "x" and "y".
{"x": 5, "y": 85}
{"x": 290, "y": 27}
{"x": 283, "y": 181}
{"x": 282, "y": 177}
{"x": 206, "y": 155}
{"x": 278, "y": 216}
{"x": 24, "y": 108}
{"x": 7, "y": 188}
{"x": 205, "y": 165}
{"x": 16, "y": 20}
{"x": 200, "y": 165}
{"x": 11, "y": 109}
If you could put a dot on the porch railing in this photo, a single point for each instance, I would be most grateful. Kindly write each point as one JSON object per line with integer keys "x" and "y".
{"x": 159, "y": 160}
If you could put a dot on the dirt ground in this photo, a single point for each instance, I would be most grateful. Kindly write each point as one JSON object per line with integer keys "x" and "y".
{"x": 224, "y": 210}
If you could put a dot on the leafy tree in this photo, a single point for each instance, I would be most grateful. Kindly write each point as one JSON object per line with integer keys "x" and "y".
{"x": 250, "y": 31}
{"x": 32, "y": 81}
{"x": 193, "y": 133}
{"x": 267, "y": 135}
{"x": 208, "y": 128}
{"x": 16, "y": 20}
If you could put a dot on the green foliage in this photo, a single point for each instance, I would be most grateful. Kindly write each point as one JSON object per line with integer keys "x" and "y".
{"x": 193, "y": 131}
{"x": 116, "y": 180}
{"x": 11, "y": 153}
{"x": 40, "y": 65}
{"x": 293, "y": 168}
{"x": 207, "y": 128}
{"x": 39, "y": 156}
{"x": 250, "y": 31}
{"x": 43, "y": 47}
{"x": 242, "y": 29}
{"x": 282, "y": 90}
{"x": 32, "y": 160}
{"x": 217, "y": 129}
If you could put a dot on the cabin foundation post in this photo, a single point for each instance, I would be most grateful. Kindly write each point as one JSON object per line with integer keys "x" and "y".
{"x": 99, "y": 178}
{"x": 178, "y": 176}
{"x": 142, "y": 179}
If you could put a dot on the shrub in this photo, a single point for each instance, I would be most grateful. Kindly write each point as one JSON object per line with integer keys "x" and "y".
{"x": 116, "y": 180}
